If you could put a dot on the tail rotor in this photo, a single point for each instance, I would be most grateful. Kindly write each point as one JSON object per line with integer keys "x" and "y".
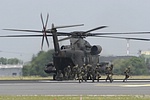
{"x": 44, "y": 30}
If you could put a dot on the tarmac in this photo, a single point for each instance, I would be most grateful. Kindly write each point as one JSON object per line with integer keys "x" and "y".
{"x": 73, "y": 87}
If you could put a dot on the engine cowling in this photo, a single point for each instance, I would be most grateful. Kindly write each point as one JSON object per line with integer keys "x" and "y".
{"x": 96, "y": 49}
{"x": 65, "y": 47}
{"x": 49, "y": 68}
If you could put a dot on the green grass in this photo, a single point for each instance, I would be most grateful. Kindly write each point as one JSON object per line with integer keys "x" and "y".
{"x": 24, "y": 78}
{"x": 131, "y": 77}
{"x": 137, "y": 97}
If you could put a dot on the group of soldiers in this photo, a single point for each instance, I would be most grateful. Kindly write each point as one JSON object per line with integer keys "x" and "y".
{"x": 82, "y": 73}
{"x": 94, "y": 73}
{"x": 87, "y": 72}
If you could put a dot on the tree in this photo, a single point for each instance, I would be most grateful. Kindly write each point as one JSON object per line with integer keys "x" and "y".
{"x": 37, "y": 65}
{"x": 11, "y": 61}
{"x": 119, "y": 66}
{"x": 137, "y": 66}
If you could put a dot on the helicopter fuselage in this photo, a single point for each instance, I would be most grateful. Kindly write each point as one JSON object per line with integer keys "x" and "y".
{"x": 79, "y": 52}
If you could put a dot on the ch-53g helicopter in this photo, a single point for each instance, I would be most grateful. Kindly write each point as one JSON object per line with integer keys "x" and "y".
{"x": 79, "y": 51}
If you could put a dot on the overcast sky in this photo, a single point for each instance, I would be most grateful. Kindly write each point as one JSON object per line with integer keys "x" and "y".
{"x": 119, "y": 15}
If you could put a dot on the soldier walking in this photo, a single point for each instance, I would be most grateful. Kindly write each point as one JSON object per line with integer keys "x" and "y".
{"x": 67, "y": 72}
{"x": 109, "y": 73}
{"x": 75, "y": 72}
{"x": 127, "y": 73}
{"x": 84, "y": 73}
{"x": 79, "y": 74}
{"x": 97, "y": 71}
{"x": 91, "y": 72}
{"x": 59, "y": 76}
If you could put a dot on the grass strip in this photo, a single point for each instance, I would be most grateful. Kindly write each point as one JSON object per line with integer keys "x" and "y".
{"x": 92, "y": 97}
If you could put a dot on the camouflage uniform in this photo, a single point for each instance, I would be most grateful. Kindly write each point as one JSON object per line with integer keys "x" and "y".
{"x": 67, "y": 72}
{"x": 126, "y": 72}
{"x": 109, "y": 73}
{"x": 59, "y": 76}
{"x": 84, "y": 72}
{"x": 75, "y": 72}
{"x": 97, "y": 71}
{"x": 79, "y": 74}
{"x": 91, "y": 72}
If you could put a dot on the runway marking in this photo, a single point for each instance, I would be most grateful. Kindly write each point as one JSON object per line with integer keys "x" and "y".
{"x": 125, "y": 85}
{"x": 137, "y": 85}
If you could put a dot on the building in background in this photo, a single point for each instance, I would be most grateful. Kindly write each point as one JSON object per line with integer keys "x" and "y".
{"x": 145, "y": 53}
{"x": 11, "y": 70}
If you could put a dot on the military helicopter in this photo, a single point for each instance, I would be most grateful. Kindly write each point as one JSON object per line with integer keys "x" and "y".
{"x": 79, "y": 51}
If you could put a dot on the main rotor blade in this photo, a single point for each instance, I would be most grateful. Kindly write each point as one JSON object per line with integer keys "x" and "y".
{"x": 64, "y": 39}
{"x": 24, "y": 35}
{"x": 142, "y": 39}
{"x": 47, "y": 40}
{"x": 42, "y": 42}
{"x": 64, "y": 33}
{"x": 44, "y": 30}
{"x": 42, "y": 22}
{"x": 46, "y": 20}
{"x": 113, "y": 33}
{"x": 24, "y": 30}
{"x": 68, "y": 26}
{"x": 45, "y": 33}
{"x": 97, "y": 28}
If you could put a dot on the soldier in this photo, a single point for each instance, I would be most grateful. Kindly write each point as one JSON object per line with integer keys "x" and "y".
{"x": 65, "y": 73}
{"x": 84, "y": 73}
{"x": 126, "y": 72}
{"x": 109, "y": 73}
{"x": 69, "y": 72}
{"x": 79, "y": 74}
{"x": 91, "y": 72}
{"x": 59, "y": 76}
{"x": 97, "y": 71}
{"x": 75, "y": 71}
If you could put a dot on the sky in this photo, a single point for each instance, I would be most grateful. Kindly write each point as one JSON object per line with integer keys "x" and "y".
{"x": 118, "y": 15}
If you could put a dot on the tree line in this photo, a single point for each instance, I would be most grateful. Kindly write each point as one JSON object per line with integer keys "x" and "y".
{"x": 12, "y": 61}
{"x": 138, "y": 65}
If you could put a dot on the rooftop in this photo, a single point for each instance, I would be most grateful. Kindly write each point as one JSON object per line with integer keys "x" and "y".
{"x": 11, "y": 66}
